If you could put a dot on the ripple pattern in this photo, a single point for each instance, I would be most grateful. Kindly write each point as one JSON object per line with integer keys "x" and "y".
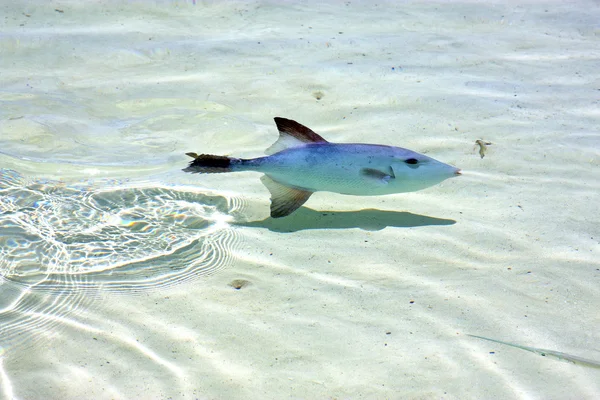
{"x": 61, "y": 243}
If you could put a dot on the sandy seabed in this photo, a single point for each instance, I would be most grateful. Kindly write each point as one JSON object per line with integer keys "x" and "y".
{"x": 350, "y": 297}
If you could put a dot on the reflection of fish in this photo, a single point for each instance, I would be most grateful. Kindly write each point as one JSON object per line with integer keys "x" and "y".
{"x": 482, "y": 146}
{"x": 302, "y": 162}
{"x": 548, "y": 353}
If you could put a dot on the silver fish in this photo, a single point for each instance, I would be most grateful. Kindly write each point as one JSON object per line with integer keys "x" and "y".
{"x": 301, "y": 162}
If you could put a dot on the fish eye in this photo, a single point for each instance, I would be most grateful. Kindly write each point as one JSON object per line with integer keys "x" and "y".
{"x": 411, "y": 161}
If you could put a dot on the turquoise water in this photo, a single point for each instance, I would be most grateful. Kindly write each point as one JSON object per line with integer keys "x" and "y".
{"x": 123, "y": 277}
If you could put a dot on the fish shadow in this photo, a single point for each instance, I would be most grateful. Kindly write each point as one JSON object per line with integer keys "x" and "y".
{"x": 367, "y": 219}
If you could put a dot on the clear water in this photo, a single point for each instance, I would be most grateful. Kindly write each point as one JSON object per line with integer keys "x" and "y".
{"x": 123, "y": 277}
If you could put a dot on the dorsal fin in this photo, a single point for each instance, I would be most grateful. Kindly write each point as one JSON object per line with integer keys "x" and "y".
{"x": 284, "y": 199}
{"x": 292, "y": 134}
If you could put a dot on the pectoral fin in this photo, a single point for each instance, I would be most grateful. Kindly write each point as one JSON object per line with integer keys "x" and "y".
{"x": 284, "y": 199}
{"x": 379, "y": 175}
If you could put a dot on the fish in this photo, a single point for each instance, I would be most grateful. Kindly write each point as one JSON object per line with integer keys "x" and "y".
{"x": 557, "y": 355}
{"x": 302, "y": 162}
{"x": 482, "y": 146}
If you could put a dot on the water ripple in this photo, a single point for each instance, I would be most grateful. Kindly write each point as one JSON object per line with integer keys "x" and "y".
{"x": 60, "y": 244}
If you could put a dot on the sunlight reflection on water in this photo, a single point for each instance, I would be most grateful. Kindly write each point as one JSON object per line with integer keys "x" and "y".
{"x": 60, "y": 243}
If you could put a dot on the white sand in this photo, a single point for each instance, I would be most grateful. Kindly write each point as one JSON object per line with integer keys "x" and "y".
{"x": 358, "y": 304}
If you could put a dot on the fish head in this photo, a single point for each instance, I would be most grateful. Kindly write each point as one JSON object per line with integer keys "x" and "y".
{"x": 415, "y": 171}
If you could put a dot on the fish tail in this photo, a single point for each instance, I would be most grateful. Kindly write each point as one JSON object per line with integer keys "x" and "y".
{"x": 211, "y": 164}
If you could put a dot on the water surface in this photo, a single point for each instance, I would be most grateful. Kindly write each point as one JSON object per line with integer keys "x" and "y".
{"x": 123, "y": 273}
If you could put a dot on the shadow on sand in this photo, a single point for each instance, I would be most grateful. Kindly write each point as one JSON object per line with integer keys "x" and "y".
{"x": 368, "y": 219}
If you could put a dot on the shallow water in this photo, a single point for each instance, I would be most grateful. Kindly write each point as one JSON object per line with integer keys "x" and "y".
{"x": 123, "y": 277}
